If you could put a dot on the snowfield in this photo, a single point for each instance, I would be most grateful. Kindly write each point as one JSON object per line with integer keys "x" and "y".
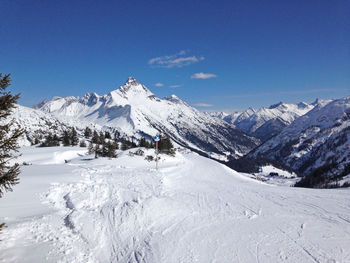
{"x": 190, "y": 210}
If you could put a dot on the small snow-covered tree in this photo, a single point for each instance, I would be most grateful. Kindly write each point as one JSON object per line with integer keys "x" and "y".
{"x": 8, "y": 137}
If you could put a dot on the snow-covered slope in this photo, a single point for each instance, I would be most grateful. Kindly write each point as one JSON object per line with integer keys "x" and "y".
{"x": 191, "y": 210}
{"x": 320, "y": 137}
{"x": 135, "y": 111}
{"x": 37, "y": 124}
{"x": 265, "y": 123}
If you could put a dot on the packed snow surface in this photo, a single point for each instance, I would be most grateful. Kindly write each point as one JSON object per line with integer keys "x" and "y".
{"x": 191, "y": 209}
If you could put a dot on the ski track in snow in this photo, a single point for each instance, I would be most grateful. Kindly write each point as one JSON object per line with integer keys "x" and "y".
{"x": 191, "y": 210}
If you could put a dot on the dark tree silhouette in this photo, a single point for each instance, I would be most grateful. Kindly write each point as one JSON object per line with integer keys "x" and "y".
{"x": 87, "y": 132}
{"x": 66, "y": 138}
{"x": 74, "y": 137}
{"x": 8, "y": 137}
{"x": 95, "y": 138}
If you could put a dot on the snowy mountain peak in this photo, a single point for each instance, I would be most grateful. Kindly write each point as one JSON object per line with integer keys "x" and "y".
{"x": 266, "y": 122}
{"x": 319, "y": 137}
{"x": 132, "y": 87}
{"x": 90, "y": 98}
{"x": 131, "y": 81}
{"x": 134, "y": 111}
{"x": 276, "y": 105}
{"x": 316, "y": 102}
{"x": 56, "y": 98}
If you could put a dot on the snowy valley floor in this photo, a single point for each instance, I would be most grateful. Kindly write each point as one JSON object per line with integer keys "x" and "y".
{"x": 191, "y": 210}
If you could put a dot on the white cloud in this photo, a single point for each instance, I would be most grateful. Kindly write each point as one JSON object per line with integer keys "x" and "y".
{"x": 158, "y": 84}
{"x": 202, "y": 75}
{"x": 203, "y": 105}
{"x": 175, "y": 86}
{"x": 178, "y": 60}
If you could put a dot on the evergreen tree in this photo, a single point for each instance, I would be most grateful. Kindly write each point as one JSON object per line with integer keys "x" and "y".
{"x": 8, "y": 137}
{"x": 145, "y": 143}
{"x": 55, "y": 140}
{"x": 74, "y": 137}
{"x": 111, "y": 150}
{"x": 101, "y": 138}
{"x": 50, "y": 141}
{"x": 166, "y": 146}
{"x": 124, "y": 145}
{"x": 87, "y": 132}
{"x": 104, "y": 150}
{"x": 107, "y": 135}
{"x": 47, "y": 141}
{"x": 95, "y": 138}
{"x": 115, "y": 144}
{"x": 142, "y": 142}
{"x": 115, "y": 138}
{"x": 36, "y": 141}
{"x": 66, "y": 138}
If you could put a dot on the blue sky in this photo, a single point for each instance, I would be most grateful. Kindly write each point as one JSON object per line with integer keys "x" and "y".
{"x": 213, "y": 54}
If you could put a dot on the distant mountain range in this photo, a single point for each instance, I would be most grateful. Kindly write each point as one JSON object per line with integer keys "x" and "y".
{"x": 320, "y": 138}
{"x": 302, "y": 136}
{"x": 264, "y": 123}
{"x": 134, "y": 111}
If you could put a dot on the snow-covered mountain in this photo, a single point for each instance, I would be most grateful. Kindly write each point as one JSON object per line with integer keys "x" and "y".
{"x": 133, "y": 110}
{"x": 264, "y": 123}
{"x": 320, "y": 137}
{"x": 36, "y": 124}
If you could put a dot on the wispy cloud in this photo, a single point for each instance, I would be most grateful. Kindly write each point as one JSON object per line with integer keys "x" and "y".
{"x": 158, "y": 84}
{"x": 178, "y": 60}
{"x": 175, "y": 86}
{"x": 203, "y": 105}
{"x": 202, "y": 75}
